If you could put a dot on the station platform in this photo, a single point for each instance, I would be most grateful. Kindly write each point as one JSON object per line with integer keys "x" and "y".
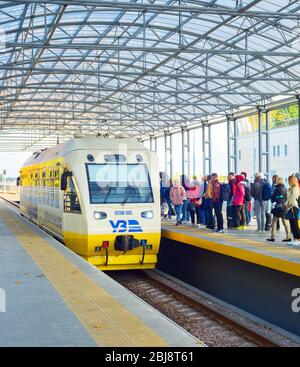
{"x": 55, "y": 298}
{"x": 241, "y": 244}
{"x": 239, "y": 267}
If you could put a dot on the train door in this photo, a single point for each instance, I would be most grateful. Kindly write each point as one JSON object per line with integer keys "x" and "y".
{"x": 73, "y": 221}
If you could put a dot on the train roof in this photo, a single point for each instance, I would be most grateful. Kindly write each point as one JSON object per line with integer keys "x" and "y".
{"x": 82, "y": 143}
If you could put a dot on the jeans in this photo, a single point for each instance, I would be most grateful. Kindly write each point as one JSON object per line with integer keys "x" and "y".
{"x": 260, "y": 213}
{"x": 170, "y": 209}
{"x": 200, "y": 211}
{"x": 185, "y": 210}
{"x": 178, "y": 212}
{"x": 247, "y": 212}
{"x": 217, "y": 205}
{"x": 268, "y": 224}
{"x": 210, "y": 221}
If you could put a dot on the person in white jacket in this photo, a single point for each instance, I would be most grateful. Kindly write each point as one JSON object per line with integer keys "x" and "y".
{"x": 293, "y": 208}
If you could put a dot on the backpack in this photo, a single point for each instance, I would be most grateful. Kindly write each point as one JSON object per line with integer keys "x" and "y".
{"x": 224, "y": 192}
{"x": 267, "y": 191}
{"x": 247, "y": 194}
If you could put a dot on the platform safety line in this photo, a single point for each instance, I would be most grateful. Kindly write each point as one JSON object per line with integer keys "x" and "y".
{"x": 242, "y": 254}
{"x": 107, "y": 321}
{"x": 254, "y": 245}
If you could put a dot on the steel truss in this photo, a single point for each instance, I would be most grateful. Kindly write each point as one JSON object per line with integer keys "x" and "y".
{"x": 140, "y": 67}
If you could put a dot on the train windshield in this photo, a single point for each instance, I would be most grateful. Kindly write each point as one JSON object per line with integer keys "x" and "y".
{"x": 119, "y": 183}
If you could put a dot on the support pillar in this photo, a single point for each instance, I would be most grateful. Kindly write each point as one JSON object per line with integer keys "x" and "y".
{"x": 259, "y": 111}
{"x": 232, "y": 148}
{"x": 266, "y": 152}
{"x": 168, "y": 155}
{"x": 153, "y": 144}
{"x": 185, "y": 146}
{"x": 298, "y": 98}
{"x": 206, "y": 147}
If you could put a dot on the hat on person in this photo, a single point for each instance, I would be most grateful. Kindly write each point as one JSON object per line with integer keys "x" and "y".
{"x": 259, "y": 175}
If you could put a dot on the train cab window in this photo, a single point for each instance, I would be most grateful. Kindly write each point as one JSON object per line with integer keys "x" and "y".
{"x": 119, "y": 183}
{"x": 71, "y": 200}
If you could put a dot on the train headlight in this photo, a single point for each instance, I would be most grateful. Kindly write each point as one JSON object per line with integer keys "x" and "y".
{"x": 99, "y": 215}
{"x": 147, "y": 215}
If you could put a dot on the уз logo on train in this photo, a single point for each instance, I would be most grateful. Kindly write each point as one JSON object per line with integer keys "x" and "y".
{"x": 121, "y": 226}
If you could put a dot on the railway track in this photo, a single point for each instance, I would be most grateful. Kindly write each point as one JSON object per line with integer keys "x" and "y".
{"x": 201, "y": 317}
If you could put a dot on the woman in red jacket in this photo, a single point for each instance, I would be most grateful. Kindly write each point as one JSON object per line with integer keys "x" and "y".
{"x": 238, "y": 202}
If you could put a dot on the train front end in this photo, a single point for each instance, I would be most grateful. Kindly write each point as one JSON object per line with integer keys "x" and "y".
{"x": 119, "y": 195}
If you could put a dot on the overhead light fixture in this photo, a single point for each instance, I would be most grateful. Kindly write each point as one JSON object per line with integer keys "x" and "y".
{"x": 230, "y": 59}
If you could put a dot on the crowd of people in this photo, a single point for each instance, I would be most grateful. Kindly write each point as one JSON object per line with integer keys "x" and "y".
{"x": 201, "y": 203}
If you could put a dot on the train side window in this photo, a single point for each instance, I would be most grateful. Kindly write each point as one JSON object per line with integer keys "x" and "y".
{"x": 71, "y": 200}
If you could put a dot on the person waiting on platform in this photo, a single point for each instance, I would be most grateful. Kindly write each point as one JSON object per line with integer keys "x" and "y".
{"x": 274, "y": 182}
{"x": 210, "y": 220}
{"x": 164, "y": 210}
{"x": 259, "y": 203}
{"x": 247, "y": 199}
{"x": 278, "y": 199}
{"x": 177, "y": 196}
{"x": 231, "y": 220}
{"x": 293, "y": 208}
{"x": 238, "y": 202}
{"x": 217, "y": 203}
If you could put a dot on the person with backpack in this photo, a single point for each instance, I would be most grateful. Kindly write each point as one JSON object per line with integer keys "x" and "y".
{"x": 247, "y": 199}
{"x": 177, "y": 196}
{"x": 238, "y": 202}
{"x": 259, "y": 203}
{"x": 279, "y": 199}
{"x": 217, "y": 201}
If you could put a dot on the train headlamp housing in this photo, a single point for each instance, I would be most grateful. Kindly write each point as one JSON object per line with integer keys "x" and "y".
{"x": 147, "y": 214}
{"x": 99, "y": 215}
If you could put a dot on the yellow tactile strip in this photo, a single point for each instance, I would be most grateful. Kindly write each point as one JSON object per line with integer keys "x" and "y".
{"x": 249, "y": 255}
{"x": 107, "y": 321}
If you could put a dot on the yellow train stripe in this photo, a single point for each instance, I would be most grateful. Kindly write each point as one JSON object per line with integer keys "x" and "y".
{"x": 266, "y": 260}
{"x": 107, "y": 321}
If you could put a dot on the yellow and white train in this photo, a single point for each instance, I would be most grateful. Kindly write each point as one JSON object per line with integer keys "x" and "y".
{"x": 100, "y": 196}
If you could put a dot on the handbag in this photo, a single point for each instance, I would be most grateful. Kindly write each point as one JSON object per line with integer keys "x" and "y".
{"x": 292, "y": 213}
{"x": 198, "y": 202}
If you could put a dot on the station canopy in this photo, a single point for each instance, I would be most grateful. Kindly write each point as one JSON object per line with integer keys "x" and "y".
{"x": 139, "y": 67}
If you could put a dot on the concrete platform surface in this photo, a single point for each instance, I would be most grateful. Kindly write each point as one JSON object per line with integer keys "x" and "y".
{"x": 55, "y": 298}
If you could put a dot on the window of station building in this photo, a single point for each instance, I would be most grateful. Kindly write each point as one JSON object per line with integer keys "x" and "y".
{"x": 278, "y": 150}
{"x": 274, "y": 151}
{"x": 240, "y": 155}
{"x": 285, "y": 150}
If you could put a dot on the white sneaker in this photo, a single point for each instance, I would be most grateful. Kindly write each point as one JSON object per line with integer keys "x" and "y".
{"x": 295, "y": 244}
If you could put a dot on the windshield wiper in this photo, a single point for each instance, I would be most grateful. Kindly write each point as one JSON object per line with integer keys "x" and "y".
{"x": 125, "y": 200}
{"x": 107, "y": 195}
